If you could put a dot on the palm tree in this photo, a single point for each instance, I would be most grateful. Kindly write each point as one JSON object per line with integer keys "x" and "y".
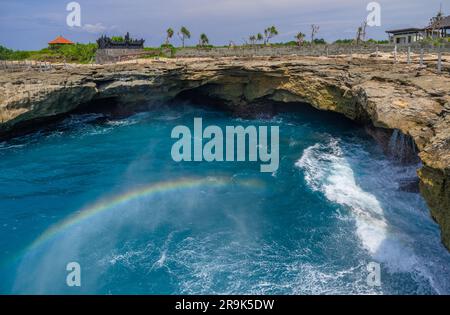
{"x": 252, "y": 39}
{"x": 269, "y": 33}
{"x": 169, "y": 35}
{"x": 259, "y": 37}
{"x": 204, "y": 40}
{"x": 183, "y": 34}
{"x": 300, "y": 37}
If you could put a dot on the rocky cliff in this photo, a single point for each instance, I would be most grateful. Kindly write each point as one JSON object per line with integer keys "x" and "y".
{"x": 369, "y": 90}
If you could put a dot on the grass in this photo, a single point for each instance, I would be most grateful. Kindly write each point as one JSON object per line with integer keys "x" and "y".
{"x": 436, "y": 41}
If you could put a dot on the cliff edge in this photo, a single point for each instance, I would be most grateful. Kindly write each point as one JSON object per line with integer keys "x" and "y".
{"x": 413, "y": 100}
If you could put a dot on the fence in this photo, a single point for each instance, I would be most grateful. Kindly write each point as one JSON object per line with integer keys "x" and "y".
{"x": 314, "y": 50}
{"x": 323, "y": 50}
{"x": 104, "y": 56}
{"x": 31, "y": 65}
{"x": 13, "y": 66}
{"x": 116, "y": 55}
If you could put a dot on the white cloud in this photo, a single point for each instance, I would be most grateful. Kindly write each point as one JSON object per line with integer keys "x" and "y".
{"x": 95, "y": 28}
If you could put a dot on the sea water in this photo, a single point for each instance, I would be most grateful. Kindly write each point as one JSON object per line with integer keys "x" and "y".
{"x": 105, "y": 193}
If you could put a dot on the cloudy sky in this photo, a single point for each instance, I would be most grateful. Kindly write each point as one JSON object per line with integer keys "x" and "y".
{"x": 30, "y": 24}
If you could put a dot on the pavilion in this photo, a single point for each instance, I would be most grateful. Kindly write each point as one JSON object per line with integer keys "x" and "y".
{"x": 59, "y": 41}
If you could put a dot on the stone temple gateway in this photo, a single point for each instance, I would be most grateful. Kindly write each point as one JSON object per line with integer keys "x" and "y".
{"x": 110, "y": 50}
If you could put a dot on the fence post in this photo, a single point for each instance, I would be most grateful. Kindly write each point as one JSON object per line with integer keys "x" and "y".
{"x": 439, "y": 63}
{"x": 409, "y": 55}
{"x": 395, "y": 54}
{"x": 421, "y": 56}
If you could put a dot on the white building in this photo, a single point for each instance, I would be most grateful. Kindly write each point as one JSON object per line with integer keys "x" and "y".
{"x": 406, "y": 36}
{"x": 437, "y": 29}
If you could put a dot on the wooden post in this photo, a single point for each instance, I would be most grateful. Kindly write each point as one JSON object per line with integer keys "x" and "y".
{"x": 421, "y": 56}
{"x": 439, "y": 63}
{"x": 409, "y": 55}
{"x": 395, "y": 54}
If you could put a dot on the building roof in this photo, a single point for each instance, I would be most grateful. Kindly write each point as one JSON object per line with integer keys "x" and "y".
{"x": 60, "y": 40}
{"x": 406, "y": 30}
{"x": 443, "y": 23}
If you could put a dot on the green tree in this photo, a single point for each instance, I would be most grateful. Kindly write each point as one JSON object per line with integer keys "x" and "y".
{"x": 252, "y": 40}
{"x": 259, "y": 37}
{"x": 184, "y": 34}
{"x": 320, "y": 41}
{"x": 373, "y": 41}
{"x": 5, "y": 53}
{"x": 204, "y": 40}
{"x": 169, "y": 35}
{"x": 300, "y": 37}
{"x": 117, "y": 39}
{"x": 269, "y": 33}
{"x": 344, "y": 41}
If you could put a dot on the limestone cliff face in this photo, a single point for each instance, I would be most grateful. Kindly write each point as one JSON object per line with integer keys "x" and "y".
{"x": 416, "y": 102}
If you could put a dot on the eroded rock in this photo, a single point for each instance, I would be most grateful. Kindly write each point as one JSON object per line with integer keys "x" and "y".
{"x": 403, "y": 97}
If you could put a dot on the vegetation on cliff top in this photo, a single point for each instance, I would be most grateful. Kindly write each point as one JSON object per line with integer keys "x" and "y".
{"x": 79, "y": 53}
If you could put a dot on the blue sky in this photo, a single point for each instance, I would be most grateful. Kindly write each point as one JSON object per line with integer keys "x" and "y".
{"x": 30, "y": 24}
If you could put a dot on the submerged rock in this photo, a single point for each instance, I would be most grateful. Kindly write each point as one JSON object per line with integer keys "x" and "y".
{"x": 410, "y": 185}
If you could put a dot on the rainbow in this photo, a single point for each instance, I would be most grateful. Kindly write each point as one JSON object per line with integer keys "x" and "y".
{"x": 142, "y": 192}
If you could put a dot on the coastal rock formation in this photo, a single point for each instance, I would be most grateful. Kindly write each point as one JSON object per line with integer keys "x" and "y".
{"x": 413, "y": 101}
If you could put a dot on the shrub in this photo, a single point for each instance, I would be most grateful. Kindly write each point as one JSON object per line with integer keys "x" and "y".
{"x": 344, "y": 41}
{"x": 4, "y": 53}
{"x": 82, "y": 53}
{"x": 168, "y": 47}
{"x": 319, "y": 41}
{"x": 433, "y": 41}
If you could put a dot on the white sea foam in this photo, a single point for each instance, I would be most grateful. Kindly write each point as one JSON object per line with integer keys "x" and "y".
{"x": 331, "y": 174}
{"x": 259, "y": 269}
{"x": 328, "y": 169}
{"x": 122, "y": 123}
{"x": 3, "y": 146}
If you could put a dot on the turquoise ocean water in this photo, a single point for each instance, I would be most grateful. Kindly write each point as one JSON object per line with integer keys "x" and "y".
{"x": 105, "y": 192}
